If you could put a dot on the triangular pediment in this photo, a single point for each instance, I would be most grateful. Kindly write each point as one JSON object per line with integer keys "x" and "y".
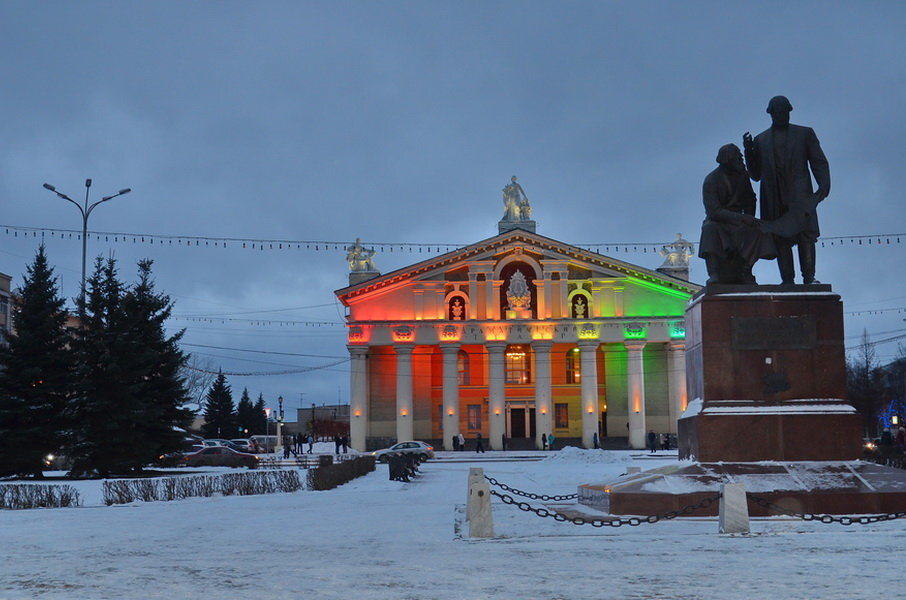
{"x": 539, "y": 248}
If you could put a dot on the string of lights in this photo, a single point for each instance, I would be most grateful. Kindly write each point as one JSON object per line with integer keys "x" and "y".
{"x": 195, "y": 241}
{"x": 266, "y": 373}
{"x": 259, "y": 322}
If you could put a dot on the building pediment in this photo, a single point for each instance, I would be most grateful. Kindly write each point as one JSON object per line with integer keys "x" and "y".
{"x": 483, "y": 258}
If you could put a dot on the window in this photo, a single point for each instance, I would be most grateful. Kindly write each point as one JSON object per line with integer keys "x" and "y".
{"x": 463, "y": 367}
{"x": 574, "y": 366}
{"x": 561, "y": 416}
{"x": 518, "y": 364}
{"x": 473, "y": 412}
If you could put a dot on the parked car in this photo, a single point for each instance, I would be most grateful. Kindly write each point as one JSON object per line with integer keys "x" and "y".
{"x": 420, "y": 448}
{"x": 220, "y": 456}
{"x": 240, "y": 444}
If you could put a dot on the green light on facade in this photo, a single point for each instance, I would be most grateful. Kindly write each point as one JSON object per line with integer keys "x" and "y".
{"x": 634, "y": 332}
{"x": 678, "y": 332}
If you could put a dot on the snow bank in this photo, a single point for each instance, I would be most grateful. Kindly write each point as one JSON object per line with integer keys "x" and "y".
{"x": 573, "y": 455}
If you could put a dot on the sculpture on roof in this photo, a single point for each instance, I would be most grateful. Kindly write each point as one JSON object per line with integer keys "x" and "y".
{"x": 516, "y": 205}
{"x": 677, "y": 253}
{"x": 360, "y": 259}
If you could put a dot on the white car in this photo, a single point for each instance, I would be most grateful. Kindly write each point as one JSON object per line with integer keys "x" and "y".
{"x": 420, "y": 448}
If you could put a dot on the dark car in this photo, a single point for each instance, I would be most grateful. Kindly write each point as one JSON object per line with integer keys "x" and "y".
{"x": 220, "y": 456}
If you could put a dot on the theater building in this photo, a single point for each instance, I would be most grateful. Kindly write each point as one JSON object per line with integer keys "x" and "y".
{"x": 513, "y": 337}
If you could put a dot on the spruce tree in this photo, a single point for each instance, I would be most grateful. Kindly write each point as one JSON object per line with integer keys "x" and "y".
{"x": 245, "y": 413}
{"x": 219, "y": 412}
{"x": 104, "y": 411}
{"x": 260, "y": 416}
{"x": 154, "y": 373}
{"x": 35, "y": 373}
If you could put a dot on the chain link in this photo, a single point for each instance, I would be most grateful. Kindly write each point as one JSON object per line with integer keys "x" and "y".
{"x": 530, "y": 495}
{"x": 610, "y": 522}
{"x": 824, "y": 518}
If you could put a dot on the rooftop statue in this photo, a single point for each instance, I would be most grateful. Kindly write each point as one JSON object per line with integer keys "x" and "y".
{"x": 516, "y": 205}
{"x": 784, "y": 158}
{"x": 360, "y": 259}
{"x": 677, "y": 253}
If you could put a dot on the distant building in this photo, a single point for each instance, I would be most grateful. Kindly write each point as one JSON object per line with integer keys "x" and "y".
{"x": 515, "y": 336}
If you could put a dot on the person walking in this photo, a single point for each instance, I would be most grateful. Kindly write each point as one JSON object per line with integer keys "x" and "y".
{"x": 594, "y": 441}
{"x": 544, "y": 441}
{"x": 462, "y": 442}
{"x": 479, "y": 447}
{"x": 455, "y": 443}
{"x": 311, "y": 441}
{"x": 550, "y": 441}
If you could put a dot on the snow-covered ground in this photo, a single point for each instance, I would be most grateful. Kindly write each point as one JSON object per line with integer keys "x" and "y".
{"x": 376, "y": 539}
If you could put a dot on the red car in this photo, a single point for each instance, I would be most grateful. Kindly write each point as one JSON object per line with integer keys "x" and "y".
{"x": 220, "y": 456}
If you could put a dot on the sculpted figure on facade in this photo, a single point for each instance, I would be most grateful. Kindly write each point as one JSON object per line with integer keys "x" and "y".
{"x": 784, "y": 158}
{"x": 360, "y": 259}
{"x": 516, "y": 206}
{"x": 518, "y": 295}
{"x": 677, "y": 253}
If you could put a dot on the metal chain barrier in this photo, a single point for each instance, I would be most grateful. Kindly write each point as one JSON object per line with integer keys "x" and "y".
{"x": 824, "y": 518}
{"x": 611, "y": 522}
{"x": 530, "y": 495}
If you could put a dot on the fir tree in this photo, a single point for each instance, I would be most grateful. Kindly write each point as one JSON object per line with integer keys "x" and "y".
{"x": 260, "y": 416}
{"x": 219, "y": 413}
{"x": 245, "y": 413}
{"x": 36, "y": 370}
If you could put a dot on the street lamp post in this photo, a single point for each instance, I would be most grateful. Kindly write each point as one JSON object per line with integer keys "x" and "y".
{"x": 85, "y": 209}
{"x": 279, "y": 448}
{"x": 267, "y": 427}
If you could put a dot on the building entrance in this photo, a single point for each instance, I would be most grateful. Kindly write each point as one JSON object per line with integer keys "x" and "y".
{"x": 521, "y": 422}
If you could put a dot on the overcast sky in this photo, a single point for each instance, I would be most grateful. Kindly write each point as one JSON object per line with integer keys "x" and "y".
{"x": 401, "y": 122}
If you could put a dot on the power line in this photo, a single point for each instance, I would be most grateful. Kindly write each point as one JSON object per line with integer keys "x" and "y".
{"x": 263, "y": 351}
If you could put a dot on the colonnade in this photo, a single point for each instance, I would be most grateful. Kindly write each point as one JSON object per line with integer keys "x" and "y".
{"x": 451, "y": 418}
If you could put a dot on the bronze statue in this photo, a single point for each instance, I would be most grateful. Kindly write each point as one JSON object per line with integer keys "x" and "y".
{"x": 784, "y": 158}
{"x": 732, "y": 240}
{"x": 516, "y": 206}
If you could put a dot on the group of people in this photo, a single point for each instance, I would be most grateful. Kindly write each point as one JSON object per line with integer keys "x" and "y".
{"x": 654, "y": 439}
{"x": 295, "y": 444}
{"x": 341, "y": 442}
{"x": 459, "y": 442}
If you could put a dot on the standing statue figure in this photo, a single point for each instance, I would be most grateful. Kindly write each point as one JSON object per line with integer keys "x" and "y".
{"x": 784, "y": 158}
{"x": 732, "y": 240}
{"x": 516, "y": 206}
{"x": 360, "y": 259}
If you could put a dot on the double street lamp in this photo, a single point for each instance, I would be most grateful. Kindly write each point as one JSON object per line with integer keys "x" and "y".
{"x": 85, "y": 209}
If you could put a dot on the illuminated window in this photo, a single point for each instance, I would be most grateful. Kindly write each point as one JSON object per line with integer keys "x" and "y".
{"x": 573, "y": 366}
{"x": 473, "y": 412}
{"x": 463, "y": 367}
{"x": 518, "y": 364}
{"x": 561, "y": 416}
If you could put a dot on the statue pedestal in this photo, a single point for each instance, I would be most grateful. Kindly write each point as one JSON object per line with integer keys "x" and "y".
{"x": 506, "y": 225}
{"x": 518, "y": 313}
{"x": 765, "y": 366}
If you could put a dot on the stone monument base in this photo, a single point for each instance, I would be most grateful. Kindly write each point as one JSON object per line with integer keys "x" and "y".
{"x": 815, "y": 487}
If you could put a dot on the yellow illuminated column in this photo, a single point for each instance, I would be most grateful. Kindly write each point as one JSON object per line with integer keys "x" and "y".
{"x": 358, "y": 400}
{"x": 589, "y": 373}
{"x": 543, "y": 407}
{"x": 473, "y": 296}
{"x": 450, "y": 393}
{"x": 496, "y": 395}
{"x": 677, "y": 377}
{"x": 404, "y": 416}
{"x": 636, "y": 387}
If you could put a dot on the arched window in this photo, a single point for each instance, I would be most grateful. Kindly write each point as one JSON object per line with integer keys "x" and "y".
{"x": 528, "y": 276}
{"x": 574, "y": 366}
{"x": 518, "y": 364}
{"x": 463, "y": 367}
{"x": 580, "y": 307}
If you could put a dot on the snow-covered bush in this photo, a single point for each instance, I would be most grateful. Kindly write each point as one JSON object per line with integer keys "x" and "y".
{"x": 123, "y": 491}
{"x": 330, "y": 476}
{"x": 17, "y": 496}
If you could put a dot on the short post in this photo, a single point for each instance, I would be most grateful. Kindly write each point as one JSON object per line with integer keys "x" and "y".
{"x": 478, "y": 505}
{"x": 734, "y": 509}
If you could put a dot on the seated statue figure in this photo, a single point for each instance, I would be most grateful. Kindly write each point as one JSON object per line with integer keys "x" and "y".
{"x": 732, "y": 240}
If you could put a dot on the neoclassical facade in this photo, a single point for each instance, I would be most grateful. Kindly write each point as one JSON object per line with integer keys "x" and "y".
{"x": 513, "y": 337}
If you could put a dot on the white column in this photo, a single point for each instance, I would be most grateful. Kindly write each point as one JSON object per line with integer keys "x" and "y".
{"x": 358, "y": 397}
{"x": 618, "y": 300}
{"x": 543, "y": 408}
{"x": 548, "y": 284}
{"x": 419, "y": 304}
{"x": 676, "y": 365}
{"x": 564, "y": 294}
{"x": 489, "y": 300}
{"x": 473, "y": 296}
{"x": 496, "y": 395}
{"x": 450, "y": 393}
{"x": 404, "y": 416}
{"x": 540, "y": 293}
{"x": 588, "y": 352}
{"x": 495, "y": 297}
{"x": 635, "y": 370}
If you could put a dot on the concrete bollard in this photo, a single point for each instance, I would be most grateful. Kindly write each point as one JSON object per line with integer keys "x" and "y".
{"x": 478, "y": 506}
{"x": 734, "y": 509}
